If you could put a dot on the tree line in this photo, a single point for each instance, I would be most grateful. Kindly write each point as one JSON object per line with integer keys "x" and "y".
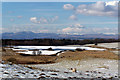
{"x": 54, "y": 42}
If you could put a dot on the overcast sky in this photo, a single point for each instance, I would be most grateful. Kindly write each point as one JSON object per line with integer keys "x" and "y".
{"x": 61, "y": 17}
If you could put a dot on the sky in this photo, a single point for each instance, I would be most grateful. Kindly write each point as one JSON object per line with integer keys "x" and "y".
{"x": 54, "y": 0}
{"x": 61, "y": 17}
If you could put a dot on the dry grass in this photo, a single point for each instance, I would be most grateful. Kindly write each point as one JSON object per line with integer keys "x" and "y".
{"x": 31, "y": 59}
{"x": 106, "y": 67}
{"x": 8, "y": 54}
{"x": 76, "y": 55}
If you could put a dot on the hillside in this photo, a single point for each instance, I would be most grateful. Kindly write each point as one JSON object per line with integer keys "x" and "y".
{"x": 31, "y": 35}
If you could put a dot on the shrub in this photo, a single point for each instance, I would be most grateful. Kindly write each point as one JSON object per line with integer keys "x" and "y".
{"x": 78, "y": 49}
{"x": 50, "y": 49}
{"x": 3, "y": 49}
{"x": 96, "y": 43}
{"x": 12, "y": 60}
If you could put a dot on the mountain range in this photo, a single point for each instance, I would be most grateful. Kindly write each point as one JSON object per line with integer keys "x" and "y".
{"x": 32, "y": 35}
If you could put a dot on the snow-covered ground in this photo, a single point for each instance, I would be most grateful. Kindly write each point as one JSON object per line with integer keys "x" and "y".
{"x": 109, "y": 45}
{"x": 106, "y": 45}
{"x": 93, "y": 67}
{"x": 57, "y": 47}
{"x": 41, "y": 52}
{"x": 115, "y": 52}
{"x": 18, "y": 49}
{"x": 87, "y": 68}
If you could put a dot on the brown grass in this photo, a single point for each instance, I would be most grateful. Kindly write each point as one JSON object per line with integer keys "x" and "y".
{"x": 6, "y": 55}
{"x": 31, "y": 59}
{"x": 76, "y": 55}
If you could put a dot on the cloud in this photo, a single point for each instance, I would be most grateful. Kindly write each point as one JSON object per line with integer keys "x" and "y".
{"x": 96, "y": 9}
{"x": 54, "y": 19}
{"x": 104, "y": 30}
{"x": 68, "y": 7}
{"x": 73, "y": 17}
{"x": 1, "y": 28}
{"x": 68, "y": 29}
{"x": 73, "y": 28}
{"x": 22, "y": 27}
{"x": 43, "y": 20}
{"x": 113, "y": 3}
{"x": 80, "y": 29}
{"x": 110, "y": 33}
{"x": 77, "y": 25}
{"x": 34, "y": 20}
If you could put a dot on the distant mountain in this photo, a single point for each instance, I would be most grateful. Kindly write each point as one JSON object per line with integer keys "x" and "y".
{"x": 31, "y": 35}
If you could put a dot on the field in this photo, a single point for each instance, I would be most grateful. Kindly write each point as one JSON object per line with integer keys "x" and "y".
{"x": 105, "y": 63}
{"x": 70, "y": 55}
